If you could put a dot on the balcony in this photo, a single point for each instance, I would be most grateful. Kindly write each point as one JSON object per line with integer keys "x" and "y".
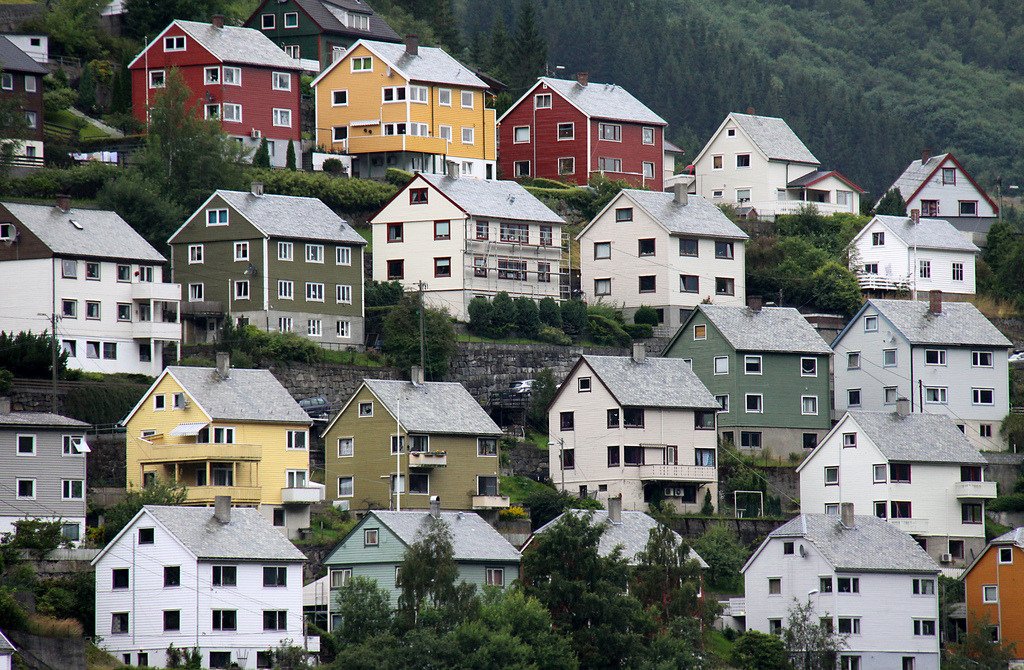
{"x": 869, "y": 282}
{"x": 156, "y": 291}
{"x": 428, "y": 459}
{"x": 490, "y": 502}
{"x": 239, "y": 494}
{"x": 370, "y": 144}
{"x": 303, "y": 495}
{"x": 914, "y": 526}
{"x": 735, "y": 607}
{"x": 777, "y": 207}
{"x": 156, "y": 330}
{"x": 183, "y": 453}
{"x": 975, "y": 489}
{"x": 203, "y": 308}
{"x": 683, "y": 473}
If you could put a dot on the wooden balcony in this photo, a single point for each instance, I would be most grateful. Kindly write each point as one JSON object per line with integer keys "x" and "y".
{"x": 372, "y": 144}
{"x": 185, "y": 453}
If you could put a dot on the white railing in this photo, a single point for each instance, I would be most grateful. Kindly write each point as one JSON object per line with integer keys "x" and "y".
{"x": 975, "y": 489}
{"x": 912, "y": 525}
{"x": 689, "y": 473}
{"x": 776, "y": 207}
{"x": 880, "y": 283}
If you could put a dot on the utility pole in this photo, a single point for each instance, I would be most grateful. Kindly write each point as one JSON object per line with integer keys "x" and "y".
{"x": 423, "y": 337}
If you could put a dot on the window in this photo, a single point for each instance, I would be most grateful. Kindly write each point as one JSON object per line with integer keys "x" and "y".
{"x": 725, "y": 286}
{"x": 853, "y": 360}
{"x": 282, "y": 118}
{"x": 285, "y": 289}
{"x": 981, "y": 359}
{"x": 970, "y": 513}
{"x": 899, "y": 509}
{"x": 809, "y": 405}
{"x": 899, "y": 472}
{"x": 754, "y": 403}
{"x": 705, "y": 457}
{"x": 849, "y": 626}
{"x": 225, "y": 620}
{"x": 487, "y": 486}
{"x": 871, "y": 268}
{"x": 92, "y": 349}
{"x": 948, "y": 176}
{"x": 648, "y": 170}
{"x": 742, "y": 160}
{"x": 878, "y": 473}
{"x": 119, "y": 578}
{"x": 646, "y": 247}
{"x": 119, "y": 623}
{"x": 494, "y": 576}
{"x": 848, "y": 584}
{"x": 609, "y": 164}
{"x": 211, "y": 75}
{"x": 888, "y": 358}
{"x": 723, "y": 402}
{"x": 983, "y": 396}
{"x": 314, "y": 292}
{"x": 92, "y": 309}
{"x": 935, "y": 395}
{"x": 832, "y": 475}
{"x": 363, "y": 64}
{"x": 521, "y": 168}
{"x": 417, "y": 196}
{"x": 566, "y": 420}
{"x": 810, "y": 440}
{"x": 225, "y": 575}
{"x": 924, "y": 269}
{"x": 345, "y": 484}
{"x": 220, "y": 659}
{"x": 871, "y": 324}
{"x": 73, "y": 445}
{"x": 750, "y": 439}
{"x": 752, "y": 365}
{"x": 613, "y": 452}
{"x": 985, "y": 430}
{"x": 296, "y": 439}
{"x": 566, "y": 131}
{"x": 700, "y": 332}
{"x": 485, "y": 446}
{"x": 878, "y": 239}
{"x": 647, "y": 134}
{"x": 723, "y": 249}
{"x": 602, "y": 287}
{"x": 232, "y": 112}
{"x": 242, "y": 289}
{"x": 716, "y": 162}
{"x": 241, "y": 251}
{"x": 990, "y": 593}
{"x": 924, "y": 627}
{"x": 172, "y": 619}
{"x": 648, "y": 284}
{"x": 365, "y": 409}
{"x": 72, "y": 489}
{"x": 211, "y": 112}
{"x": 467, "y": 101}
{"x": 774, "y": 586}
{"x": 275, "y": 619}
{"x": 775, "y": 626}
{"x": 124, "y": 273}
{"x": 704, "y": 420}
{"x": 787, "y": 548}
{"x": 632, "y": 417}
{"x": 275, "y": 575}
{"x": 443, "y": 267}
{"x": 542, "y": 101}
{"x": 216, "y": 217}
{"x": 172, "y": 575}
{"x": 314, "y": 327}
{"x": 174, "y": 43}
{"x": 935, "y": 357}
{"x": 511, "y": 269}
{"x": 958, "y": 271}
{"x": 689, "y": 284}
{"x": 610, "y": 131}
{"x": 26, "y": 445}
{"x": 468, "y": 135}
{"x": 393, "y": 93}
{"x": 520, "y": 134}
{"x": 923, "y": 587}
{"x": 956, "y": 548}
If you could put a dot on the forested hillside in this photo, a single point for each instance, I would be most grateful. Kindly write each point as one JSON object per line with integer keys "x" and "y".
{"x": 866, "y": 83}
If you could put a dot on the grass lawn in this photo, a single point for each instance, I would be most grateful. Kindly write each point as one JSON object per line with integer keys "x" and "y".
{"x": 467, "y": 337}
{"x": 351, "y": 358}
{"x": 518, "y": 487}
{"x": 367, "y": 233}
{"x": 69, "y": 120}
{"x": 719, "y": 647}
{"x": 539, "y": 440}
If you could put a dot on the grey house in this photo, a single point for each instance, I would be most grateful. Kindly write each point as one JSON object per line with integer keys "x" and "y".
{"x": 42, "y": 469}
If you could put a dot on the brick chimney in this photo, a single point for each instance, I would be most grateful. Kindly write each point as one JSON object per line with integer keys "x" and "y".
{"x": 63, "y": 202}
{"x": 679, "y": 195}
{"x": 915, "y": 215}
{"x": 412, "y": 45}
{"x": 846, "y": 515}
{"x": 615, "y": 509}
{"x": 222, "y": 509}
{"x": 751, "y": 111}
{"x": 582, "y": 78}
{"x": 755, "y": 303}
{"x": 926, "y": 153}
{"x": 217, "y": 20}
{"x": 639, "y": 352}
{"x": 935, "y": 301}
{"x": 224, "y": 364}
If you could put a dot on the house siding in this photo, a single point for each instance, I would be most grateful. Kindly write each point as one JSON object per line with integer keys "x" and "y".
{"x": 631, "y": 151}
{"x": 1005, "y": 613}
{"x": 306, "y": 35}
{"x": 544, "y": 148}
{"x": 29, "y": 101}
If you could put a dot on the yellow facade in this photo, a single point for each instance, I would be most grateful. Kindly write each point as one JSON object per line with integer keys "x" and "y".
{"x": 259, "y": 458}
{"x": 366, "y": 113}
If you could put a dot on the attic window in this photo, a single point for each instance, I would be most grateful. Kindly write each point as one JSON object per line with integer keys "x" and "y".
{"x": 730, "y": 132}
{"x": 76, "y": 224}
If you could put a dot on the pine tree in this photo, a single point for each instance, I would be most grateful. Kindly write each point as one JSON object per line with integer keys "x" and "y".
{"x": 498, "y": 51}
{"x": 892, "y": 203}
{"x": 289, "y": 160}
{"x": 262, "y": 157}
{"x": 529, "y": 49}
{"x": 121, "y": 96}
{"x": 87, "y": 90}
{"x": 446, "y": 28}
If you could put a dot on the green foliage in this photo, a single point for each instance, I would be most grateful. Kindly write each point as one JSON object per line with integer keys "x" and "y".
{"x": 553, "y": 335}
{"x": 503, "y": 316}
{"x": 73, "y": 27}
{"x": 544, "y": 388}
{"x": 29, "y": 355}
{"x": 708, "y": 508}
{"x": 480, "y": 312}
{"x": 398, "y": 178}
{"x": 892, "y": 203}
{"x": 12, "y": 615}
{"x": 117, "y": 516}
{"x": 383, "y": 294}
{"x": 289, "y": 160}
{"x": 57, "y": 94}
{"x": 87, "y": 90}
{"x": 261, "y": 159}
{"x": 121, "y": 93}
{"x": 6, "y": 380}
{"x": 189, "y": 659}
{"x": 146, "y": 18}
{"x": 349, "y": 196}
{"x": 574, "y": 319}
{"x": 1008, "y": 502}
{"x": 547, "y": 503}
{"x": 667, "y": 581}
{"x": 811, "y": 644}
{"x": 527, "y": 317}
{"x": 755, "y": 650}
{"x": 258, "y": 346}
{"x": 430, "y": 577}
{"x": 529, "y": 49}
{"x": 71, "y": 597}
{"x": 836, "y": 289}
{"x": 81, "y": 181}
{"x": 328, "y": 526}
{"x": 333, "y": 166}
{"x": 36, "y": 536}
{"x": 401, "y": 335}
{"x": 139, "y": 201}
{"x": 638, "y": 331}
{"x": 549, "y": 313}
{"x": 725, "y": 555}
{"x": 975, "y": 649}
{"x": 606, "y": 331}
{"x": 645, "y": 315}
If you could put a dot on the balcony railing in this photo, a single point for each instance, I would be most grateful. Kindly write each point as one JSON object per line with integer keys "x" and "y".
{"x": 428, "y": 459}
{"x": 239, "y": 494}
{"x": 912, "y": 525}
{"x": 734, "y": 607}
{"x": 181, "y": 453}
{"x": 776, "y": 207}
{"x": 490, "y": 502}
{"x": 687, "y": 473}
{"x": 870, "y": 282}
{"x": 311, "y": 493}
{"x": 156, "y": 330}
{"x": 975, "y": 489}
{"x": 368, "y": 144}
{"x": 156, "y": 291}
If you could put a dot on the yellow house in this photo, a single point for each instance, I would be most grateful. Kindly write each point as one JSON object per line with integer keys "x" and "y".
{"x": 223, "y": 431}
{"x": 405, "y": 106}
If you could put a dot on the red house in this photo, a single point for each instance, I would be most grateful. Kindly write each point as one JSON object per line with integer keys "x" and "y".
{"x": 236, "y": 75}
{"x": 567, "y": 130}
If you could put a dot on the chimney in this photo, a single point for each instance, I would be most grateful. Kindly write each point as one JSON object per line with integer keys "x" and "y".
{"x": 926, "y": 153}
{"x": 755, "y": 303}
{"x": 435, "y": 506}
{"x": 416, "y": 375}
{"x": 256, "y": 188}
{"x": 902, "y": 407}
{"x": 582, "y": 78}
{"x": 615, "y": 509}
{"x": 639, "y": 352}
{"x": 412, "y": 45}
{"x": 63, "y": 202}
{"x": 223, "y": 364}
{"x": 222, "y": 509}
{"x": 750, "y": 111}
{"x": 846, "y": 515}
{"x": 679, "y": 195}
{"x": 5, "y": 405}
{"x": 217, "y": 20}
{"x": 915, "y": 215}
{"x": 451, "y": 169}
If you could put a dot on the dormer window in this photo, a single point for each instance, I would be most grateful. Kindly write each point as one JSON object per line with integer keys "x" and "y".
{"x": 359, "y": 21}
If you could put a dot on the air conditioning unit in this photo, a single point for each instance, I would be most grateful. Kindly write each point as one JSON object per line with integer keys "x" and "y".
{"x": 946, "y": 558}
{"x": 343, "y": 505}
{"x": 669, "y": 491}
{"x": 256, "y": 134}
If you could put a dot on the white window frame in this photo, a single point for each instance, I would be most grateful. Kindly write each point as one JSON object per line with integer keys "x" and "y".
{"x": 648, "y": 130}
{"x": 941, "y": 394}
{"x": 895, "y": 358}
{"x": 803, "y": 405}
{"x": 753, "y": 358}
{"x": 813, "y": 360}
{"x": 871, "y": 323}
{"x": 229, "y": 112}
{"x": 472, "y": 135}
{"x": 570, "y": 168}
{"x": 196, "y": 254}
{"x": 515, "y": 134}
{"x": 211, "y": 75}
{"x": 196, "y": 292}
{"x": 467, "y": 95}
{"x": 285, "y": 251}
{"x": 977, "y": 356}
{"x": 343, "y": 255}
{"x": 976, "y": 394}
{"x": 361, "y": 61}
{"x": 314, "y": 291}
{"x": 157, "y": 74}
{"x": 419, "y": 94}
{"x": 17, "y": 445}
{"x": 723, "y": 370}
{"x": 285, "y": 289}
{"x": 746, "y": 403}
{"x": 242, "y": 289}
{"x": 314, "y": 327}
{"x": 334, "y": 98}
{"x": 941, "y": 356}
{"x": 343, "y": 328}
{"x": 351, "y": 487}
{"x": 293, "y": 15}
{"x": 445, "y": 133}
{"x": 444, "y": 94}
{"x": 315, "y": 253}
{"x": 281, "y": 81}
{"x": 241, "y": 251}
{"x": 177, "y": 42}
{"x": 17, "y": 488}
{"x": 542, "y": 98}
{"x": 278, "y": 115}
{"x": 232, "y": 73}
{"x": 572, "y": 134}
{"x": 723, "y": 400}
{"x": 343, "y": 294}
{"x": 214, "y": 215}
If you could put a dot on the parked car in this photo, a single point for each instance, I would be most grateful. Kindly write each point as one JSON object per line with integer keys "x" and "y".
{"x": 317, "y": 407}
{"x": 521, "y": 386}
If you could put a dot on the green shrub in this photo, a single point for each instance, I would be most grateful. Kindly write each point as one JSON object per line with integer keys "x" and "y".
{"x": 645, "y": 315}
{"x": 398, "y": 177}
{"x": 639, "y": 331}
{"x": 607, "y": 332}
{"x": 480, "y": 311}
{"x": 550, "y": 314}
{"x": 344, "y": 195}
{"x": 553, "y": 336}
{"x": 607, "y": 311}
{"x": 333, "y": 166}
{"x": 503, "y": 316}
{"x": 383, "y": 293}
{"x": 6, "y": 380}
{"x": 29, "y": 355}
{"x": 574, "y": 319}
{"x": 542, "y": 182}
{"x": 527, "y": 317}
{"x": 1011, "y": 502}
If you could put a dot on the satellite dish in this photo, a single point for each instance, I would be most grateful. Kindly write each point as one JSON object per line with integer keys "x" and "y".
{"x": 803, "y": 551}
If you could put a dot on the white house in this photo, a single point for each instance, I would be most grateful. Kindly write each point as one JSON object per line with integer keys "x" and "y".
{"x": 7, "y": 651}
{"x": 97, "y": 277}
{"x": 938, "y": 186}
{"x": 900, "y": 253}
{"x": 670, "y": 251}
{"x": 465, "y": 238}
{"x": 869, "y": 579}
{"x": 945, "y": 358}
{"x": 759, "y": 162}
{"x": 218, "y": 579}
{"x": 917, "y": 470}
{"x": 639, "y": 427}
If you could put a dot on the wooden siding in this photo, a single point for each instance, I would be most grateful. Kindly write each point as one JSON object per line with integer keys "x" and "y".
{"x": 544, "y": 148}
{"x": 632, "y": 151}
{"x": 1006, "y": 613}
{"x": 49, "y": 467}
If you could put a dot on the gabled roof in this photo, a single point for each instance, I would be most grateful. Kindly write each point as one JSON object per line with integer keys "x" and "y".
{"x": 774, "y": 138}
{"x": 288, "y": 216}
{"x": 13, "y": 59}
{"x": 328, "y": 15}
{"x": 771, "y": 329}
{"x": 657, "y": 382}
{"x": 632, "y": 533}
{"x": 872, "y": 545}
{"x": 248, "y": 536}
{"x": 6, "y": 646}
{"x": 1015, "y": 536}
{"x": 39, "y": 419}
{"x": 925, "y": 234}
{"x": 430, "y": 64}
{"x": 672, "y": 148}
{"x": 498, "y": 199}
{"x": 697, "y": 217}
{"x": 232, "y": 44}
{"x": 99, "y": 233}
{"x": 812, "y": 178}
{"x": 473, "y": 539}
{"x": 919, "y": 173}
{"x": 433, "y": 407}
{"x": 602, "y": 101}
{"x": 959, "y": 323}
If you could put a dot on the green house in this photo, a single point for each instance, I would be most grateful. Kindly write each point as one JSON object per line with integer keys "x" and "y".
{"x": 376, "y": 547}
{"x": 769, "y": 370}
{"x": 316, "y": 29}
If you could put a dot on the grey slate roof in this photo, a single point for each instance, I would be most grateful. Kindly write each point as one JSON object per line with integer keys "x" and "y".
{"x": 234, "y": 44}
{"x": 1015, "y": 536}
{"x": 774, "y": 138}
{"x": 918, "y": 438}
{"x": 959, "y": 324}
{"x": 473, "y": 539}
{"x": 873, "y": 545}
{"x": 774, "y": 329}
{"x": 499, "y": 199}
{"x": 104, "y": 234}
{"x": 248, "y": 536}
{"x": 697, "y": 217}
{"x": 915, "y": 175}
{"x": 6, "y": 647}
{"x": 657, "y": 382}
{"x": 246, "y": 395}
{"x": 604, "y": 101}
{"x": 292, "y": 216}
{"x": 927, "y": 233}
{"x": 433, "y": 407}
{"x": 431, "y": 64}
{"x": 40, "y": 419}
{"x": 13, "y": 59}
{"x": 324, "y": 13}
{"x": 631, "y": 534}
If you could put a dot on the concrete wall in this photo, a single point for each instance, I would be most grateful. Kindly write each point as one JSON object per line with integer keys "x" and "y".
{"x": 45, "y": 653}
